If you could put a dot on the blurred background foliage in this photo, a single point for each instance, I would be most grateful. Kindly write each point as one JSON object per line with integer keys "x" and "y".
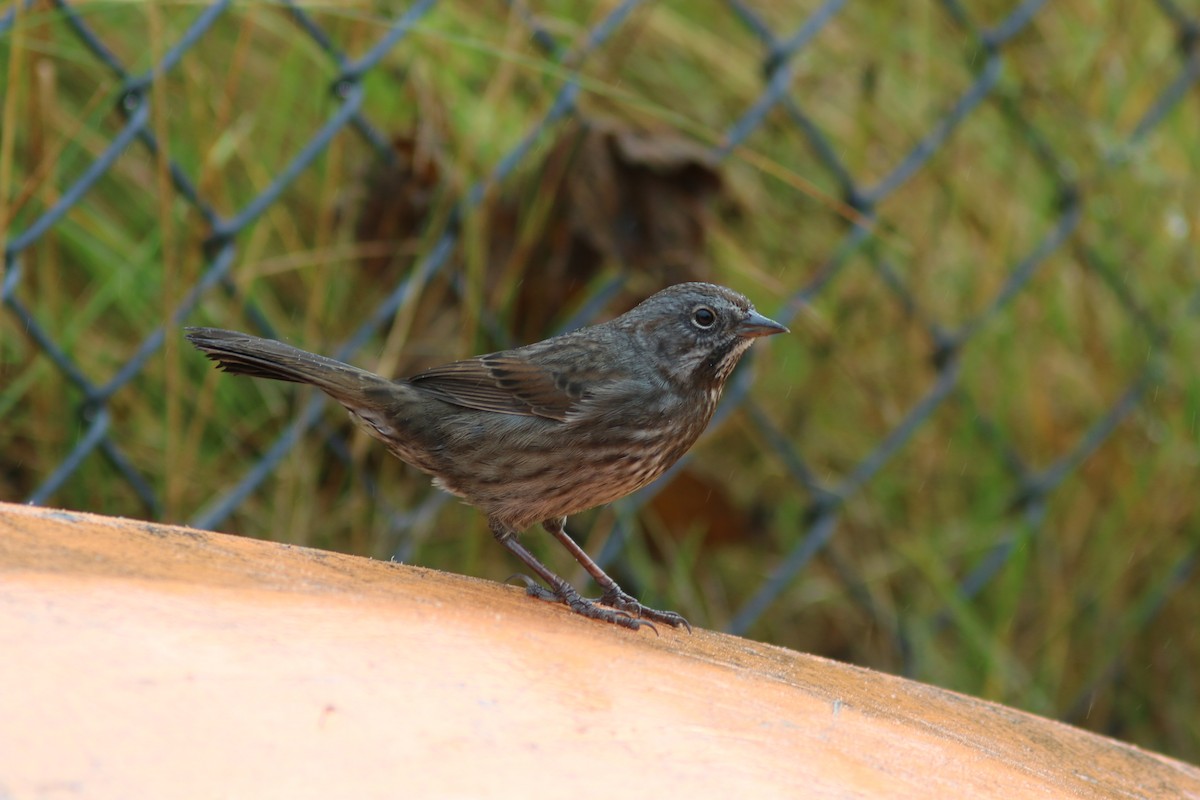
{"x": 975, "y": 460}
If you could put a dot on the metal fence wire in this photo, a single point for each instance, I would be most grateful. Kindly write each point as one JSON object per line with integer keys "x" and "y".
{"x": 861, "y": 196}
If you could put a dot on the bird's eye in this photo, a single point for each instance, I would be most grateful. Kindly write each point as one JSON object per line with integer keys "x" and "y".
{"x": 704, "y": 317}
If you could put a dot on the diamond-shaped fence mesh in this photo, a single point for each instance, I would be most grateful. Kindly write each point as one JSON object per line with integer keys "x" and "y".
{"x": 975, "y": 461}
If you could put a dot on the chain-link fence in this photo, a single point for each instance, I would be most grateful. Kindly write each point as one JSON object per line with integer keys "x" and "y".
{"x": 810, "y": 133}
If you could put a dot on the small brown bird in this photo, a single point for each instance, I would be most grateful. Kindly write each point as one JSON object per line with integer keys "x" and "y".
{"x": 541, "y": 432}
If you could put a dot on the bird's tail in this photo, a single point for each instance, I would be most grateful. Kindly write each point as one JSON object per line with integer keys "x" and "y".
{"x": 243, "y": 354}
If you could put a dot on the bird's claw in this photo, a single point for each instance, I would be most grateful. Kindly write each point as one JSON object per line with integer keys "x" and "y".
{"x": 532, "y": 587}
{"x": 585, "y": 607}
{"x": 617, "y": 598}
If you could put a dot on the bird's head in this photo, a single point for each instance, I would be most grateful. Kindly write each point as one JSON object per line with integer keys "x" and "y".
{"x": 697, "y": 331}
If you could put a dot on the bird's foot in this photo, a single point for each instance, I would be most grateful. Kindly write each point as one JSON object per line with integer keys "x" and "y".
{"x": 568, "y": 596}
{"x": 618, "y": 598}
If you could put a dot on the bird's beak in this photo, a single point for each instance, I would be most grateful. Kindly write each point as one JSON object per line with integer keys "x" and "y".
{"x": 755, "y": 324}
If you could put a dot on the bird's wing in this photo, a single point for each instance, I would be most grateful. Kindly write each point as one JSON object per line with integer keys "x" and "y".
{"x": 506, "y": 383}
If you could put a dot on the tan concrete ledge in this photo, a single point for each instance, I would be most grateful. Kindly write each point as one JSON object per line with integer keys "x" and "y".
{"x": 142, "y": 660}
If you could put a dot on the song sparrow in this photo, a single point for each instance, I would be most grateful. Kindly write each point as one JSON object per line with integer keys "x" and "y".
{"x": 541, "y": 432}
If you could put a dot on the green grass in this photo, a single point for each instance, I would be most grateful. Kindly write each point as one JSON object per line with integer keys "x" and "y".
{"x": 1078, "y": 593}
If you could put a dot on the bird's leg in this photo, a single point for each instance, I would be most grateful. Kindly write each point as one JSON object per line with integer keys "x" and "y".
{"x": 612, "y": 595}
{"x": 560, "y": 591}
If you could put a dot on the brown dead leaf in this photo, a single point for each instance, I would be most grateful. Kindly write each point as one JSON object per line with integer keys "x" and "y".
{"x": 606, "y": 193}
{"x": 399, "y": 198}
{"x": 693, "y": 503}
{"x": 638, "y": 199}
